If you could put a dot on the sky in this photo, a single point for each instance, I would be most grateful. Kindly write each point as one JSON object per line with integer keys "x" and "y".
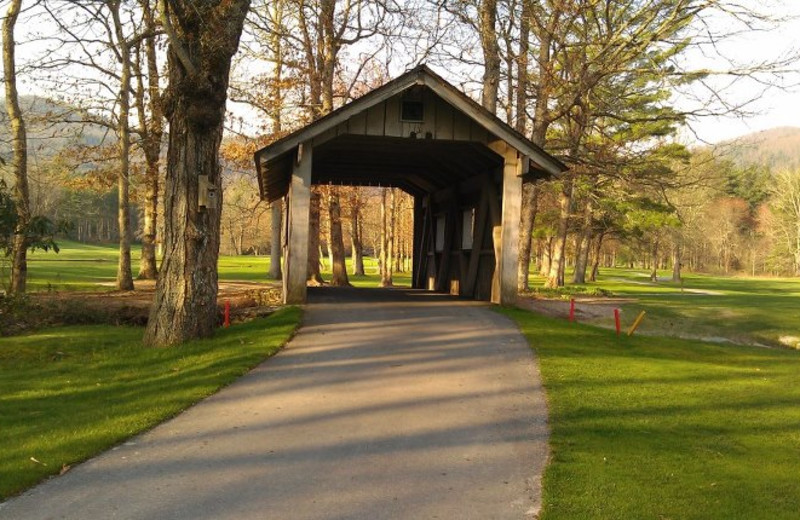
{"x": 775, "y": 107}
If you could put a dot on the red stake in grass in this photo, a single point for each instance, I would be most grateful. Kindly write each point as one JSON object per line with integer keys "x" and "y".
{"x": 227, "y": 321}
{"x": 572, "y": 309}
{"x": 616, "y": 320}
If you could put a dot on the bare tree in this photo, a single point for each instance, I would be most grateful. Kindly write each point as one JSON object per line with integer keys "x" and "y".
{"x": 151, "y": 131}
{"x": 19, "y": 265}
{"x": 123, "y": 52}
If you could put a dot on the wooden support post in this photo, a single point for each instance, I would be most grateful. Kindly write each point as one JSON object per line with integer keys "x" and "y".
{"x": 417, "y": 250}
{"x": 504, "y": 291}
{"x": 443, "y": 274}
{"x": 479, "y": 229}
{"x": 430, "y": 251}
{"x": 424, "y": 244}
{"x": 295, "y": 269}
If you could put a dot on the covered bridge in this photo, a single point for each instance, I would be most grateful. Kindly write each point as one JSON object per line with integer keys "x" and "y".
{"x": 463, "y": 166}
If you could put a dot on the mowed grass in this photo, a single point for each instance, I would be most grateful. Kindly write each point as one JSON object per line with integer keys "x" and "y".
{"x": 94, "y": 267}
{"x": 740, "y": 309}
{"x": 663, "y": 428}
{"x": 71, "y": 392}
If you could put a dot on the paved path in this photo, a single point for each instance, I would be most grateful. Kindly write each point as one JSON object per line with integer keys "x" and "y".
{"x": 386, "y": 405}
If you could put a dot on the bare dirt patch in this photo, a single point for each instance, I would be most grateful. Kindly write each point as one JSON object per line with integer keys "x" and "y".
{"x": 600, "y": 312}
{"x": 247, "y": 300}
{"x": 586, "y": 309}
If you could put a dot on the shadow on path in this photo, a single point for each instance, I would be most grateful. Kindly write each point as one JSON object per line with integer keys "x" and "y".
{"x": 387, "y": 404}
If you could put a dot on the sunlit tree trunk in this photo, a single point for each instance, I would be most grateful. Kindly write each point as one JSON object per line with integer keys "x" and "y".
{"x": 491, "y": 54}
{"x": 528, "y": 219}
{"x": 521, "y": 94}
{"x": 676, "y": 262}
{"x": 598, "y": 246}
{"x": 547, "y": 256}
{"x": 582, "y": 253}
{"x": 555, "y": 276}
{"x": 386, "y": 239}
{"x": 185, "y": 305}
{"x": 338, "y": 266}
{"x": 124, "y": 274}
{"x": 151, "y": 131}
{"x": 314, "y": 245}
{"x": 654, "y": 261}
{"x": 355, "y": 238}
{"x": 19, "y": 164}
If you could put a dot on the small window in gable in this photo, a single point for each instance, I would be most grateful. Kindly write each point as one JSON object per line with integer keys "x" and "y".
{"x": 412, "y": 111}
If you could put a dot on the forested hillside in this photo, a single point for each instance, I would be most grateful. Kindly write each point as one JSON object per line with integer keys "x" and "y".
{"x": 70, "y": 173}
{"x": 53, "y": 126}
{"x": 776, "y": 148}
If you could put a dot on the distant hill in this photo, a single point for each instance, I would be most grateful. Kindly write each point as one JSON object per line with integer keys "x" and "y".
{"x": 51, "y": 126}
{"x": 776, "y": 148}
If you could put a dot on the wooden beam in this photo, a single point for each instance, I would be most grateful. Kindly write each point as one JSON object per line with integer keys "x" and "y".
{"x": 295, "y": 270}
{"x": 416, "y": 259}
{"x": 443, "y": 274}
{"x": 424, "y": 244}
{"x": 481, "y": 216}
{"x": 494, "y": 206}
{"x": 430, "y": 251}
{"x": 506, "y": 235}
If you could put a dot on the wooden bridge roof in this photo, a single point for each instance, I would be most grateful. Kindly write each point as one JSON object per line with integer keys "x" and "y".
{"x": 366, "y": 142}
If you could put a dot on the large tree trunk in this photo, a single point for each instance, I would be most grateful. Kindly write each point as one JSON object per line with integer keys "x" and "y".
{"x": 275, "y": 241}
{"x": 355, "y": 237}
{"x": 185, "y": 305}
{"x": 338, "y": 266}
{"x": 529, "y": 206}
{"x": 491, "y": 54}
{"x": 314, "y": 255}
{"x": 19, "y": 164}
{"x": 555, "y": 277}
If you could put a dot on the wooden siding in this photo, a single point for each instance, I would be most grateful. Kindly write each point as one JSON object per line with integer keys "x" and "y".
{"x": 440, "y": 121}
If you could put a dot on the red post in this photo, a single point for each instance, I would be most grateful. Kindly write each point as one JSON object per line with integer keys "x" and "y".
{"x": 616, "y": 320}
{"x": 227, "y": 321}
{"x": 572, "y": 309}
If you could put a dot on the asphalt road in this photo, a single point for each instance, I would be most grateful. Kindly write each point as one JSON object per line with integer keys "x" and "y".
{"x": 386, "y": 405}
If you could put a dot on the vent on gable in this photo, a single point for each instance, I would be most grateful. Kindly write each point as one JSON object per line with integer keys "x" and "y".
{"x": 412, "y": 111}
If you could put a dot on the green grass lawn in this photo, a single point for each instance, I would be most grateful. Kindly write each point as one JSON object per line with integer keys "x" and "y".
{"x": 662, "y": 428}
{"x": 642, "y": 427}
{"x": 744, "y": 310}
{"x": 94, "y": 267}
{"x": 69, "y": 393}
